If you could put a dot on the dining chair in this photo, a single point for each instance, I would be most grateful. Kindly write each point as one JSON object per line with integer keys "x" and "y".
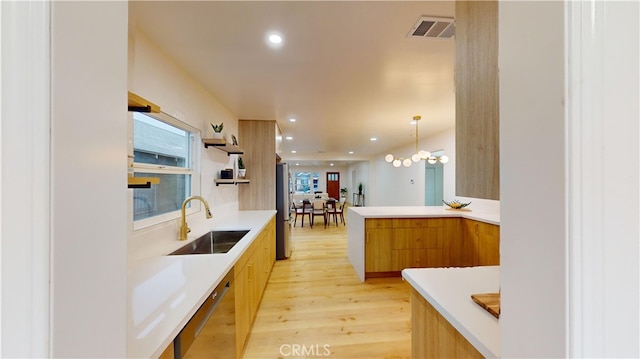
{"x": 332, "y": 210}
{"x": 319, "y": 209}
{"x": 340, "y": 210}
{"x": 303, "y": 210}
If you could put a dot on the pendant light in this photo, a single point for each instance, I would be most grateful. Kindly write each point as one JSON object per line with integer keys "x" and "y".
{"x": 417, "y": 156}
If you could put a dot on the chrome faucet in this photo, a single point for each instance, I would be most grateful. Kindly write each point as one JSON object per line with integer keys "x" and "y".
{"x": 184, "y": 229}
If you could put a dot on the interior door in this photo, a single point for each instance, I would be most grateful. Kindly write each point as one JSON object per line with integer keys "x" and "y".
{"x": 333, "y": 184}
{"x": 433, "y": 183}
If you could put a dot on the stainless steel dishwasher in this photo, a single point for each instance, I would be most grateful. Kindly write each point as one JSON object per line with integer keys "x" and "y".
{"x": 211, "y": 332}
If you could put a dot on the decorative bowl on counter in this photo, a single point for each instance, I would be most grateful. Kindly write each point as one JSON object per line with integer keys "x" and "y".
{"x": 455, "y": 204}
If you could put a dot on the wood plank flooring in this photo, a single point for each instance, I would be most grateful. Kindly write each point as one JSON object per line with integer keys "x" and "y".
{"x": 315, "y": 306}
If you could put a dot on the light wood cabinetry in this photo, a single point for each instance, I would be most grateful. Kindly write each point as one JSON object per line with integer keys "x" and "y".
{"x": 432, "y": 336}
{"x": 392, "y": 245}
{"x": 252, "y": 272}
{"x": 378, "y": 245}
{"x": 477, "y": 105}
{"x": 482, "y": 243}
{"x": 417, "y": 243}
{"x": 258, "y": 141}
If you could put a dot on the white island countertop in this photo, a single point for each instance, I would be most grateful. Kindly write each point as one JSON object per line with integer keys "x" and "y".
{"x": 449, "y": 291}
{"x": 165, "y": 291}
{"x": 425, "y": 212}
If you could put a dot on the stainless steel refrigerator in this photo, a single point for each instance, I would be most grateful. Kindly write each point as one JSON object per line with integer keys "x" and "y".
{"x": 283, "y": 217}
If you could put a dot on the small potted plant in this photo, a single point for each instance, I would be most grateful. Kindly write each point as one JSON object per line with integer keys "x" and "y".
{"x": 241, "y": 169}
{"x": 343, "y": 192}
{"x": 217, "y": 130}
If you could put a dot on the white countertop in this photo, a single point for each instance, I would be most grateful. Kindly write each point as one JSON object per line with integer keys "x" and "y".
{"x": 165, "y": 291}
{"x": 426, "y": 212}
{"x": 449, "y": 291}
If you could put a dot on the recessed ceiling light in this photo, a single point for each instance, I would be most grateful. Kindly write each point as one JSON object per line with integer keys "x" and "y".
{"x": 289, "y": 138}
{"x": 297, "y": 164}
{"x": 373, "y": 139}
{"x": 293, "y": 151}
{"x": 292, "y": 120}
{"x": 330, "y": 164}
{"x": 350, "y": 152}
{"x": 274, "y": 39}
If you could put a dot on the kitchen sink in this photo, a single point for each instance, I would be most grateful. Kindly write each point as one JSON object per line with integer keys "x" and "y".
{"x": 212, "y": 242}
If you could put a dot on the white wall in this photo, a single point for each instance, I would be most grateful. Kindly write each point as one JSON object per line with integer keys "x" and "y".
{"x": 569, "y": 249}
{"x": 88, "y": 187}
{"x": 532, "y": 174}
{"x": 157, "y": 78}
{"x": 25, "y": 212}
{"x": 361, "y": 172}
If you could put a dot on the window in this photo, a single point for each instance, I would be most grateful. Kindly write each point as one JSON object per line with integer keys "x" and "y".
{"x": 162, "y": 148}
{"x": 306, "y": 182}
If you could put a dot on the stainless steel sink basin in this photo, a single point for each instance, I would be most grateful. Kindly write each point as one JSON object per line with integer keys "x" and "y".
{"x": 212, "y": 242}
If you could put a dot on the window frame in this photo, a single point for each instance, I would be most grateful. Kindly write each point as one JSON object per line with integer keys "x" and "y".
{"x": 193, "y": 170}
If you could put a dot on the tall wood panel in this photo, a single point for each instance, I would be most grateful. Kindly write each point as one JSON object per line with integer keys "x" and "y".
{"x": 432, "y": 336}
{"x": 477, "y": 100}
{"x": 258, "y": 140}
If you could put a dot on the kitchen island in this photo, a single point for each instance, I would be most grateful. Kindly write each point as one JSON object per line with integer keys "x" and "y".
{"x": 446, "y": 322}
{"x": 165, "y": 291}
{"x": 384, "y": 240}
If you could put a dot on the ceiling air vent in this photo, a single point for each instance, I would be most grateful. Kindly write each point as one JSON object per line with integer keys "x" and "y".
{"x": 433, "y": 27}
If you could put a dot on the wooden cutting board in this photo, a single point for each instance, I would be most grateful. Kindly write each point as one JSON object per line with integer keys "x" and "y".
{"x": 488, "y": 301}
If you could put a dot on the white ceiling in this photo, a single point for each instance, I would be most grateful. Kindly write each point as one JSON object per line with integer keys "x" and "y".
{"x": 346, "y": 71}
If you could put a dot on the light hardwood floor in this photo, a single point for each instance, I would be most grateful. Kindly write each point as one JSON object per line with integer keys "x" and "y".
{"x": 315, "y": 306}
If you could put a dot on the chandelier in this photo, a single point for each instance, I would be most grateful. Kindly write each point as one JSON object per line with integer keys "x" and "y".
{"x": 417, "y": 156}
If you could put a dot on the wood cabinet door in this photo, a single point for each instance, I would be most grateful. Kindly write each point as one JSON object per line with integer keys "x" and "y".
{"x": 488, "y": 244}
{"x": 378, "y": 250}
{"x": 251, "y": 280}
{"x": 243, "y": 310}
{"x": 469, "y": 244}
{"x": 481, "y": 243}
{"x": 452, "y": 242}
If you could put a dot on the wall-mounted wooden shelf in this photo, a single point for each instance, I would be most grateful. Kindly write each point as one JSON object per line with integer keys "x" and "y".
{"x": 142, "y": 182}
{"x": 136, "y": 103}
{"x": 230, "y": 181}
{"x": 222, "y": 145}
